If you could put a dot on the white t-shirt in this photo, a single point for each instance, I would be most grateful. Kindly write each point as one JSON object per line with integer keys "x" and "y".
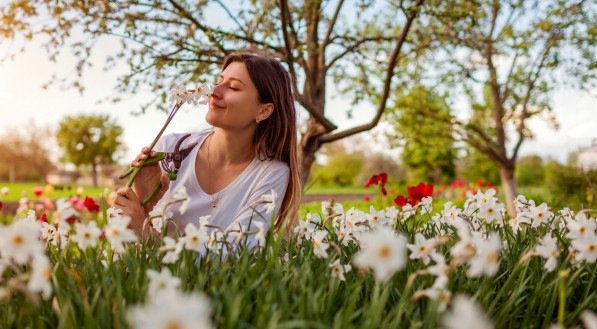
{"x": 237, "y": 203}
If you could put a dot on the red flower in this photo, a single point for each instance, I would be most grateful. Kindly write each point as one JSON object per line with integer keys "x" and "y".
{"x": 479, "y": 183}
{"x": 43, "y": 218}
{"x": 457, "y": 183}
{"x": 378, "y": 179}
{"x": 102, "y": 236}
{"x": 91, "y": 205}
{"x": 366, "y": 197}
{"x": 400, "y": 200}
{"x": 418, "y": 192}
{"x": 71, "y": 220}
{"x": 1, "y": 205}
{"x": 38, "y": 190}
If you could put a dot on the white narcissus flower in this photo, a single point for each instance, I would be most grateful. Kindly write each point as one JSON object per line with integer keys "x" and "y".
{"x": 589, "y": 319}
{"x": 181, "y": 195}
{"x": 194, "y": 238}
{"x": 65, "y": 210}
{"x": 422, "y": 248}
{"x": 319, "y": 246}
{"x": 486, "y": 260}
{"x": 540, "y": 215}
{"x": 20, "y": 241}
{"x": 160, "y": 282}
{"x": 117, "y": 233}
{"x": 270, "y": 201}
{"x": 382, "y": 250}
{"x": 4, "y": 191}
{"x": 86, "y": 234}
{"x": 173, "y": 248}
{"x": 41, "y": 276}
{"x": 548, "y": 249}
{"x": 492, "y": 211}
{"x": 451, "y": 214}
{"x": 338, "y": 269}
{"x": 261, "y": 234}
{"x": 440, "y": 270}
{"x": 586, "y": 248}
{"x": 171, "y": 310}
{"x": 408, "y": 211}
{"x": 466, "y": 314}
{"x": 485, "y": 198}
{"x": 377, "y": 217}
{"x": 580, "y": 226}
{"x": 426, "y": 204}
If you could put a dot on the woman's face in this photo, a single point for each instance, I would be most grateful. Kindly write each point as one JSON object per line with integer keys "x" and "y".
{"x": 234, "y": 103}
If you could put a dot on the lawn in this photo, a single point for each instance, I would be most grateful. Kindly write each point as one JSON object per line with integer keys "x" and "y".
{"x": 17, "y": 190}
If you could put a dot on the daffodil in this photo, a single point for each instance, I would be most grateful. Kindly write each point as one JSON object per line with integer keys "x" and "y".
{"x": 383, "y": 251}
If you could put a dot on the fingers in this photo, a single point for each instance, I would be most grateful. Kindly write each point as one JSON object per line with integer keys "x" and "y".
{"x": 126, "y": 198}
{"x": 144, "y": 155}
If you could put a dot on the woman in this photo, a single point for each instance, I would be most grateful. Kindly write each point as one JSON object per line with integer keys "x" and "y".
{"x": 251, "y": 150}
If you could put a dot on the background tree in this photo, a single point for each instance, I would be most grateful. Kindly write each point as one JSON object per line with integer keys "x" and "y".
{"x": 168, "y": 42}
{"x": 89, "y": 140}
{"x": 418, "y": 117}
{"x": 341, "y": 168}
{"x": 518, "y": 51}
{"x": 25, "y": 153}
{"x": 474, "y": 166}
{"x": 529, "y": 171}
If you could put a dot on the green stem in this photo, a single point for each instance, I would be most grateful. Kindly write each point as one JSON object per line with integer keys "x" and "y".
{"x": 563, "y": 280}
{"x": 136, "y": 170}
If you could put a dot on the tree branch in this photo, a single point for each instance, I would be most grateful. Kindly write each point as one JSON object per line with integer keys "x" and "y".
{"x": 387, "y": 85}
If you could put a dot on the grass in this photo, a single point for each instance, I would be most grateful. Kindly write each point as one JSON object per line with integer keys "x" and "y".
{"x": 18, "y": 190}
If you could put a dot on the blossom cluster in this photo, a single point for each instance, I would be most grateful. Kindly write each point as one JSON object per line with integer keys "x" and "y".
{"x": 471, "y": 240}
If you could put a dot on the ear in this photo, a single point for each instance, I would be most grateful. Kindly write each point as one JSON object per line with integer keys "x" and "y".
{"x": 265, "y": 111}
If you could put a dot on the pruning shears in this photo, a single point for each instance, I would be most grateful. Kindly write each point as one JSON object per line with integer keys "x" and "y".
{"x": 169, "y": 161}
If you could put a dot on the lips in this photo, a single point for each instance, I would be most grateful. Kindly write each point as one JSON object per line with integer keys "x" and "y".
{"x": 215, "y": 106}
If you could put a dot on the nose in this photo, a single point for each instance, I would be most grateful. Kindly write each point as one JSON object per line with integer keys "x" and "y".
{"x": 217, "y": 91}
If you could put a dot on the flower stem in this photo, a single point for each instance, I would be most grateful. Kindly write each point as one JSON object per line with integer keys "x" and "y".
{"x": 136, "y": 170}
{"x": 563, "y": 280}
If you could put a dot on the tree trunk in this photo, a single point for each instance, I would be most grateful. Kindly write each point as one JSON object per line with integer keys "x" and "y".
{"x": 308, "y": 147}
{"x": 509, "y": 186}
{"x": 94, "y": 174}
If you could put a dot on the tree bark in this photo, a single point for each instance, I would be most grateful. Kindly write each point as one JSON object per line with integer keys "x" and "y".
{"x": 94, "y": 174}
{"x": 507, "y": 171}
{"x": 309, "y": 145}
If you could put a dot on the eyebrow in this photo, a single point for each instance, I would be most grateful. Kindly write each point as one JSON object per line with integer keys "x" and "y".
{"x": 232, "y": 78}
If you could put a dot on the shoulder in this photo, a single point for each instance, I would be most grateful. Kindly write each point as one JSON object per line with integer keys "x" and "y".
{"x": 273, "y": 169}
{"x": 167, "y": 142}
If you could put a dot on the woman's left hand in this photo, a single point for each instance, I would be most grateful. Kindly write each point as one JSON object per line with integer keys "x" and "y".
{"x": 130, "y": 204}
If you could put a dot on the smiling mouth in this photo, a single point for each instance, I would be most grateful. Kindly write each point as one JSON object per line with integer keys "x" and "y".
{"x": 215, "y": 106}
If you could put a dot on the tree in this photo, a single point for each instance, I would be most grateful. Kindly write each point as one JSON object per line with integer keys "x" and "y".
{"x": 529, "y": 171}
{"x": 167, "y": 42}
{"x": 89, "y": 140}
{"x": 516, "y": 53}
{"x": 25, "y": 153}
{"x": 428, "y": 152}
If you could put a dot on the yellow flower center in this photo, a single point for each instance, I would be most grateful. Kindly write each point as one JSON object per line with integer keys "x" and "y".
{"x": 384, "y": 252}
{"x": 173, "y": 325}
{"x": 492, "y": 257}
{"x": 18, "y": 240}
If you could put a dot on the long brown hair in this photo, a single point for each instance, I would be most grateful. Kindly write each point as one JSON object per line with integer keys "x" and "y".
{"x": 276, "y": 137}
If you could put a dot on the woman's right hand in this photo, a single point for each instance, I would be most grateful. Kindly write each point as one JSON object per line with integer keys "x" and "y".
{"x": 148, "y": 177}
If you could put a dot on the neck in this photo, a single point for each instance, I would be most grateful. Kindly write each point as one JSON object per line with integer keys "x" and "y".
{"x": 227, "y": 148}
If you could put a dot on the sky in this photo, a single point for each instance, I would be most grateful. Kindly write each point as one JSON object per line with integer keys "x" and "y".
{"x": 23, "y": 101}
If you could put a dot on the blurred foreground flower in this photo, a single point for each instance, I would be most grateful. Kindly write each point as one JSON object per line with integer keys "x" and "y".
{"x": 172, "y": 309}
{"x": 466, "y": 314}
{"x": 382, "y": 250}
